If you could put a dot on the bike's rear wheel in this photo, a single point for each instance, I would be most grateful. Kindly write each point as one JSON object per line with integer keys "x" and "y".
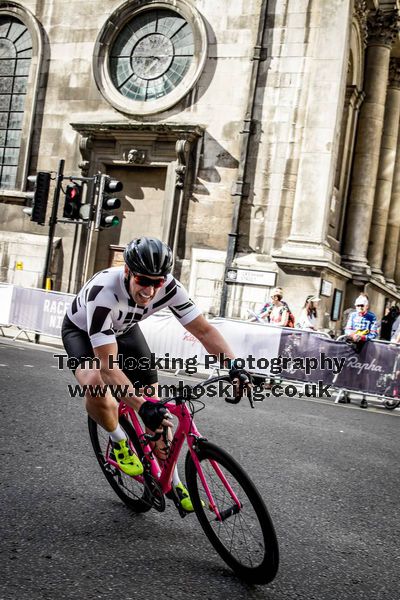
{"x": 245, "y": 539}
{"x": 131, "y": 490}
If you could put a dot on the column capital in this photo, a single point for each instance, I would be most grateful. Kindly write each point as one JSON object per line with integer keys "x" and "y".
{"x": 383, "y": 28}
{"x": 361, "y": 15}
{"x": 394, "y": 73}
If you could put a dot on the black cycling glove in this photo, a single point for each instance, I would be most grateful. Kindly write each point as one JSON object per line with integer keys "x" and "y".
{"x": 241, "y": 374}
{"x": 152, "y": 414}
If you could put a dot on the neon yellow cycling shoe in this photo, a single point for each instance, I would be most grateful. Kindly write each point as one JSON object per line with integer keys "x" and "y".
{"x": 183, "y": 497}
{"x": 127, "y": 461}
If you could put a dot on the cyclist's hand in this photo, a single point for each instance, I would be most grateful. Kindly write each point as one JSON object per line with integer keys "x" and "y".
{"x": 240, "y": 377}
{"x": 154, "y": 416}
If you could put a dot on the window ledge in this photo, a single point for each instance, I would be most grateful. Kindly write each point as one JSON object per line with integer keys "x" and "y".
{"x": 14, "y": 196}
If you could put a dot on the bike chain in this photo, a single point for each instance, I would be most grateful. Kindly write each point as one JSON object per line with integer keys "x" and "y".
{"x": 154, "y": 492}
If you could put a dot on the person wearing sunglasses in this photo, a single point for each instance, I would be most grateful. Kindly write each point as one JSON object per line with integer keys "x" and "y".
{"x": 362, "y": 323}
{"x": 361, "y": 327}
{"x": 101, "y": 333}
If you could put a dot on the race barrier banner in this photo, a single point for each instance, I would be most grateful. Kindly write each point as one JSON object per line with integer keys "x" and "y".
{"x": 39, "y": 310}
{"x": 288, "y": 354}
{"x": 372, "y": 370}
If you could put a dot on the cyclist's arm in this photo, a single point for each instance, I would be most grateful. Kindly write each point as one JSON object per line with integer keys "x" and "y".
{"x": 209, "y": 336}
{"x": 113, "y": 375}
{"x": 151, "y": 413}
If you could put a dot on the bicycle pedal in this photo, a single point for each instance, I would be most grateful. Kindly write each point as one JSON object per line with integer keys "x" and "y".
{"x": 172, "y": 496}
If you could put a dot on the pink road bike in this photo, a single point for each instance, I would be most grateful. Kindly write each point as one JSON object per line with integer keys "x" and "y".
{"x": 228, "y": 506}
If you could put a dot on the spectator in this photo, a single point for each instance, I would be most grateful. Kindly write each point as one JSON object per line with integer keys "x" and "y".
{"x": 277, "y": 311}
{"x": 395, "y": 327}
{"x": 396, "y": 335}
{"x": 361, "y": 327}
{"x": 309, "y": 314}
{"x": 362, "y": 324}
{"x": 387, "y": 322}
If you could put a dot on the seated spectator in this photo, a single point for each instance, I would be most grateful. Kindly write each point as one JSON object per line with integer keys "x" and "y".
{"x": 308, "y": 316}
{"x": 361, "y": 327}
{"x": 362, "y": 324}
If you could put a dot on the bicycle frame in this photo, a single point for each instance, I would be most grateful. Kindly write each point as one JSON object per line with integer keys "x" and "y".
{"x": 186, "y": 429}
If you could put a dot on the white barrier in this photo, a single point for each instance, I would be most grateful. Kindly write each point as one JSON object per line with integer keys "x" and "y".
{"x": 6, "y": 294}
{"x": 166, "y": 337}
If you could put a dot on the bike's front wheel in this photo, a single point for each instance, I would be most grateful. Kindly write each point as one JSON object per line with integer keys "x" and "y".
{"x": 392, "y": 403}
{"x": 242, "y": 532}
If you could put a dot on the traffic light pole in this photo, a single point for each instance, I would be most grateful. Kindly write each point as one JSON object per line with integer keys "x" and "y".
{"x": 53, "y": 221}
{"x": 52, "y": 227}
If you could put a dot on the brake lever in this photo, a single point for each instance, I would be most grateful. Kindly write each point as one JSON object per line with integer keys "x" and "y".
{"x": 165, "y": 438}
{"x": 156, "y": 436}
{"x": 250, "y": 397}
{"x": 233, "y": 399}
{"x": 237, "y": 397}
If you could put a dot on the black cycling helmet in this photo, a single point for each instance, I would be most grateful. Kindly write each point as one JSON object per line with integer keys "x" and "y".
{"x": 148, "y": 256}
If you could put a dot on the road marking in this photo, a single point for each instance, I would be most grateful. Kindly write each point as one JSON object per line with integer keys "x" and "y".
{"x": 3, "y": 365}
{"x": 31, "y": 366}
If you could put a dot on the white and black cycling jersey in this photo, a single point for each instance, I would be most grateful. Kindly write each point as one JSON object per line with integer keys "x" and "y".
{"x": 105, "y": 309}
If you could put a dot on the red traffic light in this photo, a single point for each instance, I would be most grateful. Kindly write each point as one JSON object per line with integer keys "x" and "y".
{"x": 73, "y": 201}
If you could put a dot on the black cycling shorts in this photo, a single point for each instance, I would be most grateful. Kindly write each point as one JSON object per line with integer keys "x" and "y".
{"x": 132, "y": 346}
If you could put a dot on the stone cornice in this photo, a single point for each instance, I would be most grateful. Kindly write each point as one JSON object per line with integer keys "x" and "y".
{"x": 175, "y": 130}
{"x": 383, "y": 287}
{"x": 394, "y": 73}
{"x": 383, "y": 28}
{"x": 294, "y": 262}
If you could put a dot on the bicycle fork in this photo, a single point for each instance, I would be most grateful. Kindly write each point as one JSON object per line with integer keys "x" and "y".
{"x": 236, "y": 506}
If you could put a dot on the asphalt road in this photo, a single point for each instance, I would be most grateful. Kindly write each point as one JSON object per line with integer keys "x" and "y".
{"x": 328, "y": 473}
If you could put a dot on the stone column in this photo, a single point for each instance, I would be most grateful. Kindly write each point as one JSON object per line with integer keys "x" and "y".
{"x": 382, "y": 28}
{"x": 397, "y": 268}
{"x": 386, "y": 166}
{"x": 393, "y": 226}
{"x": 318, "y": 112}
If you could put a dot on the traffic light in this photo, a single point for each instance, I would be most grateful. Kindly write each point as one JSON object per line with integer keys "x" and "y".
{"x": 73, "y": 201}
{"x": 107, "y": 202}
{"x": 39, "y": 196}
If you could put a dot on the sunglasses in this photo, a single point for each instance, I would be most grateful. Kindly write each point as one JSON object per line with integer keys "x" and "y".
{"x": 360, "y": 305}
{"x": 147, "y": 282}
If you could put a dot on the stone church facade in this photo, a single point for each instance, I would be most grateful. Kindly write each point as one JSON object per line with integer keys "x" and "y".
{"x": 260, "y": 139}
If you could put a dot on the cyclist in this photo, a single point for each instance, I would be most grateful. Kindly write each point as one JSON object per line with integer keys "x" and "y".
{"x": 102, "y": 322}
